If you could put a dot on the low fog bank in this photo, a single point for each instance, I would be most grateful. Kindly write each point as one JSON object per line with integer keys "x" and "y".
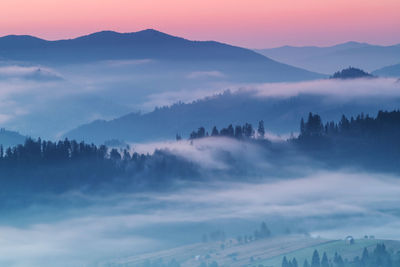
{"x": 322, "y": 203}
{"x": 234, "y": 185}
{"x": 290, "y": 192}
{"x": 48, "y": 102}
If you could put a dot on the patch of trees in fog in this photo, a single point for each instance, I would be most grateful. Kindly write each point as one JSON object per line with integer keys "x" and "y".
{"x": 371, "y": 142}
{"x": 360, "y": 141}
{"x": 351, "y": 73}
{"x": 384, "y": 124}
{"x": 38, "y": 166}
{"x": 261, "y": 233}
{"x": 238, "y": 131}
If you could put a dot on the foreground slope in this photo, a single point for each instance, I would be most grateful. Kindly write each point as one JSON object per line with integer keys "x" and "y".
{"x": 265, "y": 252}
{"x": 232, "y": 254}
{"x": 346, "y": 250}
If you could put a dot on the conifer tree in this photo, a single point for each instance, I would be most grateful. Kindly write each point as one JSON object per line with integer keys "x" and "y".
{"x": 261, "y": 129}
{"x": 315, "y": 261}
{"x": 324, "y": 261}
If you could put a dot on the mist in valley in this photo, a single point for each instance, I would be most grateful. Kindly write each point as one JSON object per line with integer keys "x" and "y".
{"x": 192, "y": 153}
{"x": 240, "y": 185}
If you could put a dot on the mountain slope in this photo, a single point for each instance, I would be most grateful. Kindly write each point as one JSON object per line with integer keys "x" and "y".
{"x": 10, "y": 138}
{"x": 149, "y": 44}
{"x": 389, "y": 71}
{"x": 329, "y": 59}
{"x": 281, "y": 115}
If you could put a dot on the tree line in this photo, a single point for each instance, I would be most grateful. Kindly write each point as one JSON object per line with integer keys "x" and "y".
{"x": 385, "y": 123}
{"x": 361, "y": 141}
{"x": 39, "y": 165}
{"x": 379, "y": 257}
{"x": 238, "y": 131}
{"x": 45, "y": 165}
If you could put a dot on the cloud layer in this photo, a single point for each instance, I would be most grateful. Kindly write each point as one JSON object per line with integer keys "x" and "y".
{"x": 76, "y": 228}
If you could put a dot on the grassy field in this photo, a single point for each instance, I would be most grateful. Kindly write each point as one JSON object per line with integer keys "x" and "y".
{"x": 230, "y": 254}
{"x": 346, "y": 250}
{"x": 268, "y": 252}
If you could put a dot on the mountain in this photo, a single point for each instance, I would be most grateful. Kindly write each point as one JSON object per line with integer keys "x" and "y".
{"x": 281, "y": 115}
{"x": 329, "y": 59}
{"x": 10, "y": 138}
{"x": 153, "y": 45}
{"x": 389, "y": 71}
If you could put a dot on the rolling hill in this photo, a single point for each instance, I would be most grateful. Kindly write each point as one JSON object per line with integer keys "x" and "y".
{"x": 281, "y": 115}
{"x": 389, "y": 71}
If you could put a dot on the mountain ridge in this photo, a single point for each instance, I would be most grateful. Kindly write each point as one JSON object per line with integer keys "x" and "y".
{"x": 328, "y": 59}
{"x": 151, "y": 44}
{"x": 101, "y": 39}
{"x": 281, "y": 116}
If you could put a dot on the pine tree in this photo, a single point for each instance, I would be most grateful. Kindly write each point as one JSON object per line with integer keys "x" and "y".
{"x": 285, "y": 262}
{"x": 324, "y": 261}
{"x": 302, "y": 127}
{"x": 248, "y": 130}
{"x": 365, "y": 256}
{"x": 201, "y": 132}
{"x": 294, "y": 263}
{"x": 230, "y": 131}
{"x": 315, "y": 262}
{"x": 238, "y": 132}
{"x": 264, "y": 231}
{"x": 214, "y": 131}
{"x": 261, "y": 129}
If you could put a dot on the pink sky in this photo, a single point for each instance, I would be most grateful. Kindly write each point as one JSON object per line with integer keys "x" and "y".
{"x": 249, "y": 23}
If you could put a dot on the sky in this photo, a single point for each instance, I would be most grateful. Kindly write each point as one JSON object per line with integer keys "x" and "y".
{"x": 250, "y": 23}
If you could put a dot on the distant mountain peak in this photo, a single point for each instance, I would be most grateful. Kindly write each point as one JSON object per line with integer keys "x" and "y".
{"x": 109, "y": 35}
{"x": 352, "y": 44}
{"x": 13, "y": 39}
{"x": 151, "y": 30}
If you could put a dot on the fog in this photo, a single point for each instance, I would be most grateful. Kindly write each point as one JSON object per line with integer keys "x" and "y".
{"x": 341, "y": 89}
{"x": 242, "y": 182}
{"x": 342, "y": 203}
{"x": 48, "y": 101}
{"x": 80, "y": 229}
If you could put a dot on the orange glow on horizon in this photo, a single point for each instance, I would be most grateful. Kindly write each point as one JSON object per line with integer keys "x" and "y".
{"x": 251, "y": 23}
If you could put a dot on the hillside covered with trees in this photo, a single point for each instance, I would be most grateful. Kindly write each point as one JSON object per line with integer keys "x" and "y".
{"x": 351, "y": 73}
{"x": 37, "y": 165}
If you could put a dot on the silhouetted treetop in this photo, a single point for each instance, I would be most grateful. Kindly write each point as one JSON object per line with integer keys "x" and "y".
{"x": 351, "y": 73}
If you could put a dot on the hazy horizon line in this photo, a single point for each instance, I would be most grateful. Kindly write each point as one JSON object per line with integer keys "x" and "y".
{"x": 72, "y": 37}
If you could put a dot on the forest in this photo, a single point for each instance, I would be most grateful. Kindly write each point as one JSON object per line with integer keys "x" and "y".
{"x": 38, "y": 165}
{"x": 46, "y": 166}
{"x": 361, "y": 141}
